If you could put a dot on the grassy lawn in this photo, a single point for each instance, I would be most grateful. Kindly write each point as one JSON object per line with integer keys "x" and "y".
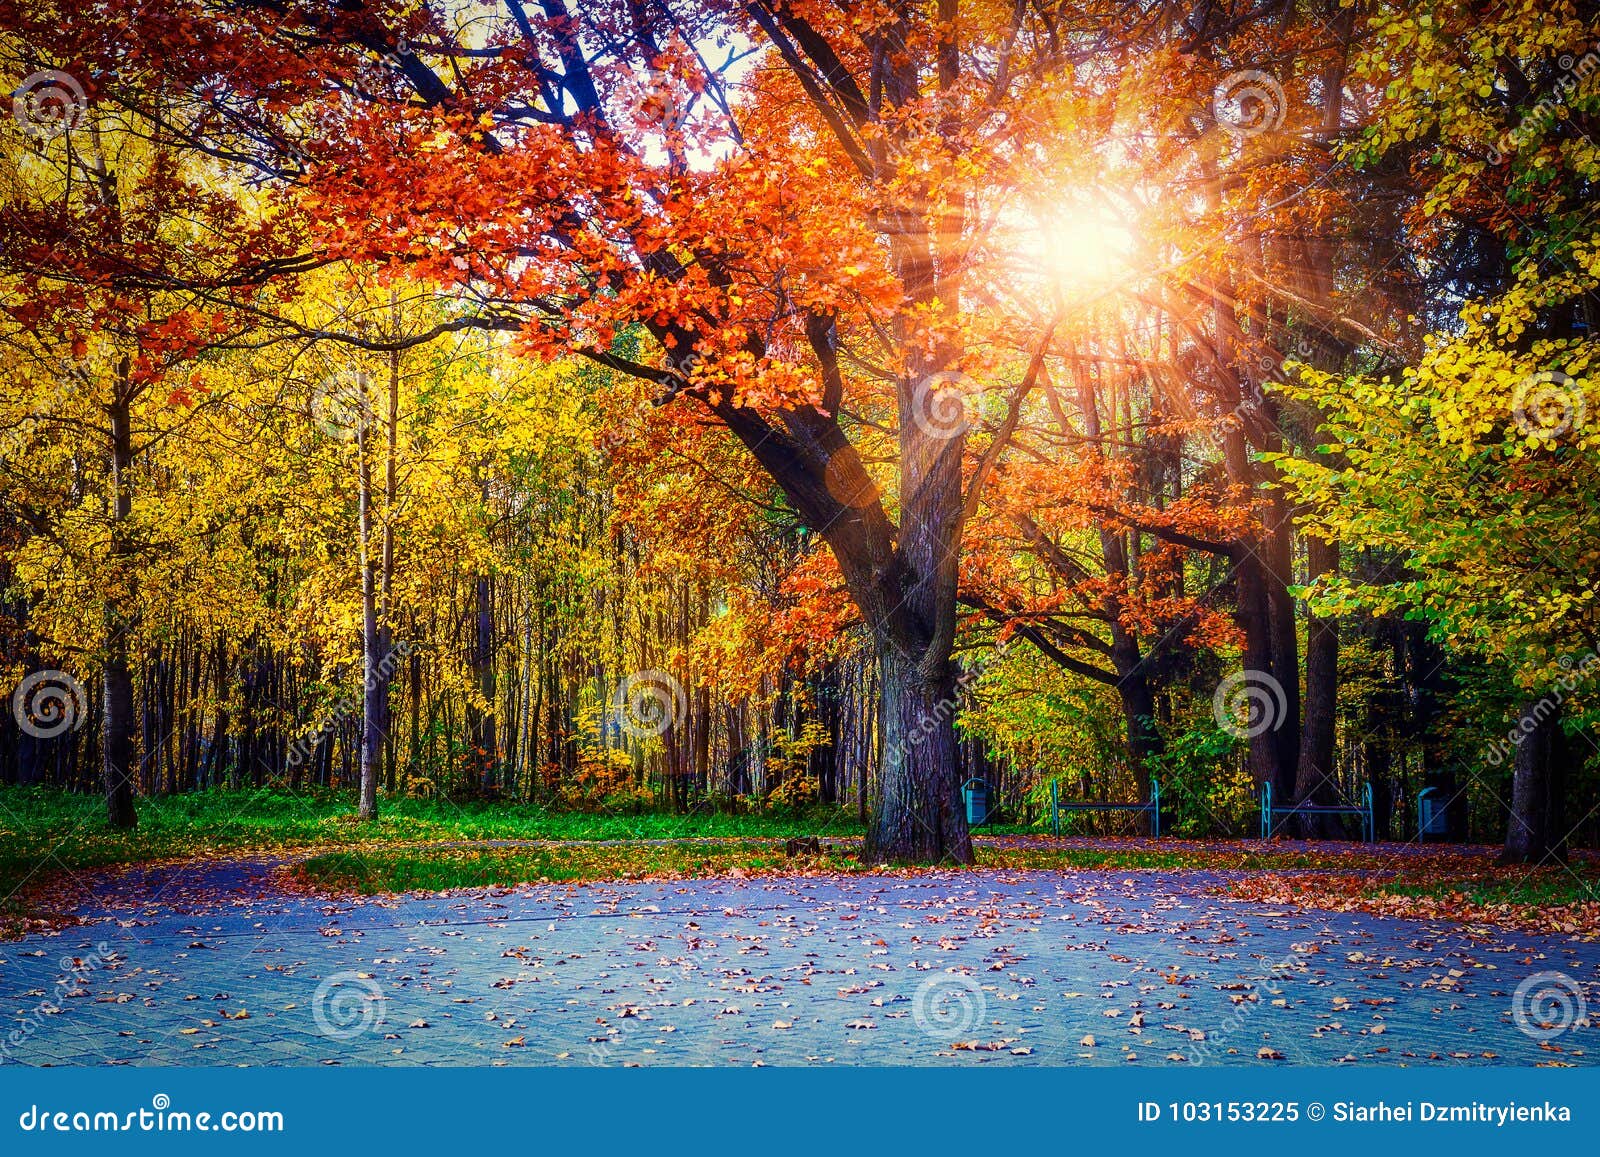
{"x": 1559, "y": 900}
{"x": 1539, "y": 887}
{"x": 45, "y": 833}
{"x": 434, "y": 869}
{"x": 374, "y": 868}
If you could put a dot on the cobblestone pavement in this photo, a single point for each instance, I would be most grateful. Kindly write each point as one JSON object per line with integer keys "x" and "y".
{"x": 986, "y": 967}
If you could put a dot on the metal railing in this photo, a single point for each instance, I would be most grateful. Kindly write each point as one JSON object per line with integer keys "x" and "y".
{"x": 1057, "y": 806}
{"x": 1272, "y": 816}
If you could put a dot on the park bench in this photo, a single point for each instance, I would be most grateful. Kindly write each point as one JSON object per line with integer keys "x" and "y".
{"x": 1057, "y": 806}
{"x": 1273, "y": 816}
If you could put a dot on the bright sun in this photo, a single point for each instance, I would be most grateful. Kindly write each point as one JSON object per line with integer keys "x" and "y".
{"x": 1085, "y": 249}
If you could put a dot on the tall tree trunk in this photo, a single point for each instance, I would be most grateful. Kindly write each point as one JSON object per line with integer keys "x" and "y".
{"x": 371, "y": 685}
{"x": 386, "y": 574}
{"x": 1429, "y": 679}
{"x": 1285, "y": 668}
{"x": 1536, "y": 831}
{"x": 1314, "y": 773}
{"x": 1264, "y": 755}
{"x": 1257, "y": 557}
{"x": 1145, "y": 745}
{"x": 920, "y": 818}
{"x": 486, "y": 753}
{"x": 117, "y": 757}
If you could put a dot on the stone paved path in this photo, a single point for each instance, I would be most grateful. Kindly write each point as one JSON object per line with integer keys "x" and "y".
{"x": 977, "y": 968}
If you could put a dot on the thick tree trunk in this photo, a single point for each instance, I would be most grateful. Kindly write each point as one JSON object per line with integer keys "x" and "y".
{"x": 1264, "y": 756}
{"x": 1145, "y": 745}
{"x": 1285, "y": 668}
{"x": 117, "y": 747}
{"x": 921, "y": 818}
{"x": 1536, "y": 831}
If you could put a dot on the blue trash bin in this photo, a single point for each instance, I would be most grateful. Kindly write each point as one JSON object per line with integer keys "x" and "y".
{"x": 976, "y": 791}
{"x": 1433, "y": 821}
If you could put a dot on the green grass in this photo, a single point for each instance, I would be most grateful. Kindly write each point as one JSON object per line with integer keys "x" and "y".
{"x": 1541, "y": 888}
{"x": 375, "y": 869}
{"x": 1145, "y": 860}
{"x": 400, "y": 870}
{"x": 379, "y": 869}
{"x": 45, "y": 833}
